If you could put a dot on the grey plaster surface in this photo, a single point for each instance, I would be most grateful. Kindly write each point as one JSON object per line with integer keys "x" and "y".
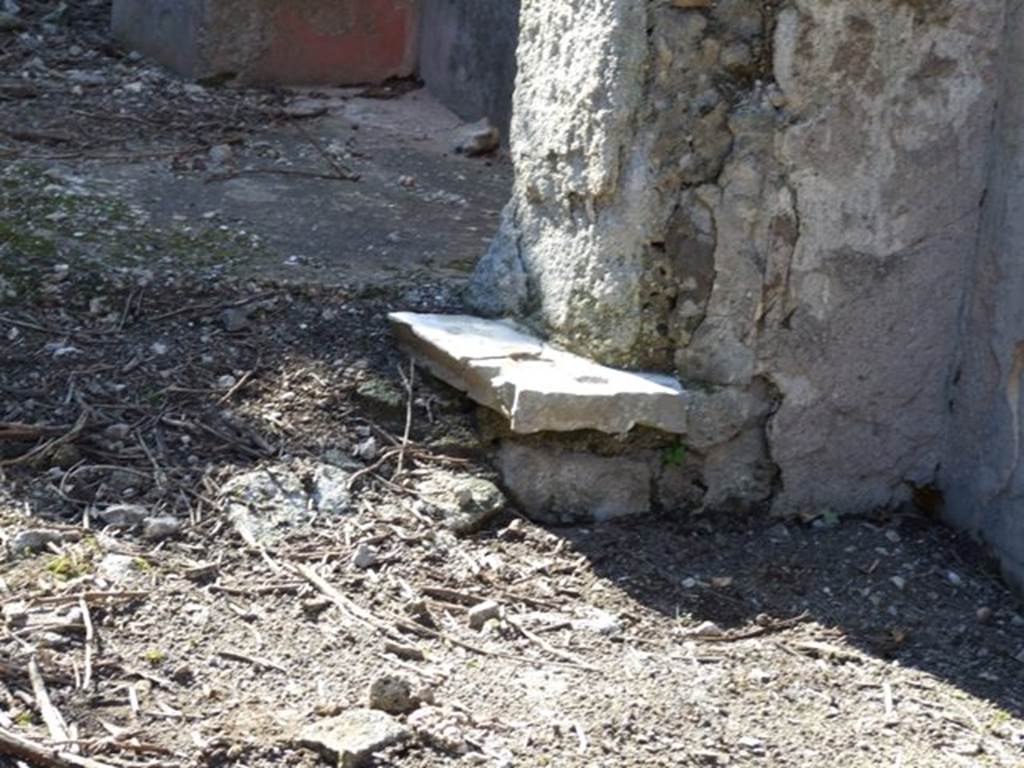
{"x": 468, "y": 56}
{"x": 982, "y": 473}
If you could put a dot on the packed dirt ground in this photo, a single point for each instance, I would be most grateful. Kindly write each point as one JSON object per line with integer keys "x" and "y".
{"x": 233, "y": 512}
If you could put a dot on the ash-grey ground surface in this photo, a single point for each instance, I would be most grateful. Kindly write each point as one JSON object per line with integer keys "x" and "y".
{"x": 190, "y": 328}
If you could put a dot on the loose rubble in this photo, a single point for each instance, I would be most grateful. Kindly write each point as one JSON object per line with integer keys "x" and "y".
{"x": 475, "y": 139}
{"x": 397, "y": 695}
{"x": 466, "y": 503}
{"x": 354, "y": 737}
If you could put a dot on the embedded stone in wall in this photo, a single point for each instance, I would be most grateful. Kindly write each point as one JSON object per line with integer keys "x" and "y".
{"x": 557, "y": 486}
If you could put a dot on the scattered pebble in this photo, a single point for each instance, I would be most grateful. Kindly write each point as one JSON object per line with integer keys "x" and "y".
{"x": 305, "y": 108}
{"x": 365, "y": 557}
{"x": 35, "y": 540}
{"x": 441, "y": 729}
{"x": 393, "y": 694}
{"x": 221, "y": 154}
{"x": 124, "y": 515}
{"x": 707, "y": 629}
{"x": 115, "y": 568}
{"x": 514, "y": 531}
{"x": 752, "y": 743}
{"x": 118, "y": 431}
{"x": 483, "y": 612}
{"x": 352, "y": 737}
{"x": 601, "y": 622}
{"x": 479, "y": 138}
{"x": 368, "y": 450}
{"x": 235, "y": 319}
{"x": 160, "y": 528}
{"x": 15, "y": 614}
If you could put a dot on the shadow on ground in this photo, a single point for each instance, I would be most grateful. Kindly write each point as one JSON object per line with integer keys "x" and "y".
{"x": 902, "y": 588}
{"x": 181, "y": 394}
{"x": 314, "y": 371}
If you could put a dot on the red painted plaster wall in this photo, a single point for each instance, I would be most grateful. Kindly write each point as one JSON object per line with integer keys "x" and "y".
{"x": 339, "y": 43}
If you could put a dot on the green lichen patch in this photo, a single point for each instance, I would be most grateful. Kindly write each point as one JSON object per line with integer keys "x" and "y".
{"x": 56, "y": 228}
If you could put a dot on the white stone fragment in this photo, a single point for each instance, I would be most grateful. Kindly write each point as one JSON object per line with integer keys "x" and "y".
{"x": 537, "y": 386}
{"x": 353, "y": 737}
{"x": 483, "y": 612}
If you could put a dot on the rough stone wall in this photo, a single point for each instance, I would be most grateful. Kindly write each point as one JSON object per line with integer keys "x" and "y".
{"x": 982, "y": 473}
{"x": 889, "y": 117}
{"x": 778, "y": 202}
{"x": 468, "y": 56}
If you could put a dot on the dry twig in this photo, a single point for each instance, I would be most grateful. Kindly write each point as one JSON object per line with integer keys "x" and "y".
{"x": 204, "y": 308}
{"x": 255, "y": 661}
{"x": 773, "y": 626}
{"x": 388, "y": 627}
{"x": 54, "y": 720}
{"x": 410, "y": 387}
{"x": 90, "y": 642}
{"x": 44, "y": 757}
{"x": 51, "y": 445}
{"x": 25, "y": 433}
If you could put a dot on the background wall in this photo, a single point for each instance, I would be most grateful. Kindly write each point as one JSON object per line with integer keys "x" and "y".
{"x": 982, "y": 474}
{"x": 299, "y": 42}
{"x": 166, "y": 30}
{"x": 465, "y": 50}
{"x": 468, "y": 56}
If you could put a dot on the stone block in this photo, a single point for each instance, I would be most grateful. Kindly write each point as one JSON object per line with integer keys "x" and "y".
{"x": 555, "y": 486}
{"x": 298, "y": 42}
{"x": 538, "y": 387}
